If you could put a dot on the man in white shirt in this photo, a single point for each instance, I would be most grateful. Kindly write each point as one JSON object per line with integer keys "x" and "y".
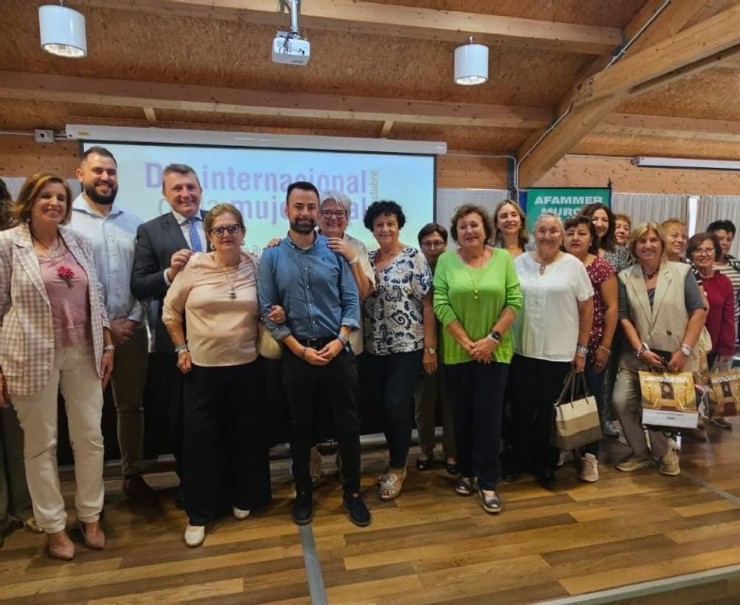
{"x": 112, "y": 232}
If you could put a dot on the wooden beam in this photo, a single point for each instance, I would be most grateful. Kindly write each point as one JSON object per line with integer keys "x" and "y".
{"x": 543, "y": 149}
{"x": 391, "y": 20}
{"x": 386, "y": 130}
{"x": 676, "y": 128}
{"x": 157, "y": 95}
{"x": 151, "y": 116}
{"x": 702, "y": 41}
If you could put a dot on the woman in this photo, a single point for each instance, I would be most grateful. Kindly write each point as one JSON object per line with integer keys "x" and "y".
{"x": 552, "y": 334}
{"x": 400, "y": 333}
{"x": 662, "y": 313}
{"x": 55, "y": 337}
{"x": 476, "y": 297}
{"x": 580, "y": 241}
{"x": 510, "y": 226}
{"x": 622, "y": 226}
{"x": 605, "y": 224}
{"x": 727, "y": 264}
{"x": 676, "y": 236}
{"x": 225, "y": 455}
{"x": 432, "y": 388}
{"x": 704, "y": 249}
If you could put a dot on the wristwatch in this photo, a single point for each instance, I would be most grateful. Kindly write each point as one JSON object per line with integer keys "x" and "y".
{"x": 687, "y": 350}
{"x": 495, "y": 335}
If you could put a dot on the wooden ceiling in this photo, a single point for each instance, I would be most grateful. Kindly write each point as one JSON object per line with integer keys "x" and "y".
{"x": 385, "y": 69}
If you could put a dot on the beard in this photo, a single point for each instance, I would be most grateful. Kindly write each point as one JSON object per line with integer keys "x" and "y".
{"x": 303, "y": 227}
{"x": 98, "y": 198}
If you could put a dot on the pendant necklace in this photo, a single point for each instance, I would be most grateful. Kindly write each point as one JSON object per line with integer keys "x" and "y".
{"x": 51, "y": 252}
{"x": 649, "y": 276}
{"x": 232, "y": 290}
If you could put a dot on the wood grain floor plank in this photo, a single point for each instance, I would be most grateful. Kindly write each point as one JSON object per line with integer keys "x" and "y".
{"x": 183, "y": 594}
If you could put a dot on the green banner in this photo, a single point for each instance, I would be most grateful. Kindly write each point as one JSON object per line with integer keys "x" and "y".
{"x": 563, "y": 202}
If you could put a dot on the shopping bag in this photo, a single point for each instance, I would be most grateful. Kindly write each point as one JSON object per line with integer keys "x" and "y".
{"x": 724, "y": 393}
{"x": 267, "y": 346}
{"x": 668, "y": 399}
{"x": 576, "y": 418}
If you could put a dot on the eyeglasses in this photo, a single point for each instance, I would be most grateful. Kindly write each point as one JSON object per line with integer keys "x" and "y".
{"x": 230, "y": 229}
{"x": 334, "y": 213}
{"x": 704, "y": 252}
{"x": 428, "y": 245}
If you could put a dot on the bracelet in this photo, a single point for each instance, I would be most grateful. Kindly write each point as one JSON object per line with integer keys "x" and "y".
{"x": 343, "y": 339}
{"x": 642, "y": 349}
{"x": 354, "y": 260}
{"x": 180, "y": 348}
{"x": 109, "y": 348}
{"x": 603, "y": 348}
{"x": 303, "y": 353}
{"x": 582, "y": 350}
{"x": 686, "y": 350}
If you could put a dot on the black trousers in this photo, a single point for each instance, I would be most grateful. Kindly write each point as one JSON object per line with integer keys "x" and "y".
{"x": 226, "y": 459}
{"x": 477, "y": 399}
{"x": 307, "y": 387}
{"x": 537, "y": 384}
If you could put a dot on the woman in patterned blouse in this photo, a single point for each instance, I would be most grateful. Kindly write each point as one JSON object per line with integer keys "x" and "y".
{"x": 400, "y": 333}
{"x": 580, "y": 241}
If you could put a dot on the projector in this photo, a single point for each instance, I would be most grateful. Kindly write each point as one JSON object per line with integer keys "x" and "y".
{"x": 290, "y": 49}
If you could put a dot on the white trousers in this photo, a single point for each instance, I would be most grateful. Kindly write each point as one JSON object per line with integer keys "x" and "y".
{"x": 73, "y": 374}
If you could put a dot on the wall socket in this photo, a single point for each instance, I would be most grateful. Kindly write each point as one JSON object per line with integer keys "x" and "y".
{"x": 43, "y": 136}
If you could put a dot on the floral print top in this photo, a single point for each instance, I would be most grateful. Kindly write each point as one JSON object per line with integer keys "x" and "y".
{"x": 392, "y": 314}
{"x": 599, "y": 271}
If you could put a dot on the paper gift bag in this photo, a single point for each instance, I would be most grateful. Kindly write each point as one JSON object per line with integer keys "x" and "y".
{"x": 668, "y": 399}
{"x": 724, "y": 394}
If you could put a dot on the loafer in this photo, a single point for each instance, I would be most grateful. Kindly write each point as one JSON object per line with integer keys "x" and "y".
{"x": 464, "y": 486}
{"x": 452, "y": 468}
{"x": 511, "y": 475}
{"x": 491, "y": 503}
{"x": 633, "y": 463}
{"x": 357, "y": 510}
{"x": 239, "y": 513}
{"x": 547, "y": 479}
{"x": 139, "y": 491}
{"x": 194, "y": 535}
{"x": 423, "y": 464}
{"x": 302, "y": 511}
{"x": 94, "y": 541}
{"x": 60, "y": 547}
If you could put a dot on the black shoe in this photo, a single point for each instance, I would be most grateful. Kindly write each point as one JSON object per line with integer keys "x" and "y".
{"x": 547, "y": 479}
{"x": 511, "y": 475}
{"x": 452, "y": 469}
{"x": 423, "y": 464}
{"x": 303, "y": 508}
{"x": 355, "y": 507}
{"x": 139, "y": 491}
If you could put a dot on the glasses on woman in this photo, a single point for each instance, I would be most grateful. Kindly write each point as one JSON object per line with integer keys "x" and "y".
{"x": 333, "y": 213}
{"x": 704, "y": 252}
{"x": 430, "y": 245}
{"x": 230, "y": 229}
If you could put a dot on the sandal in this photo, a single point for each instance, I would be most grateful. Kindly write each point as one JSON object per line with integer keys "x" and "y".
{"x": 464, "y": 486}
{"x": 391, "y": 487}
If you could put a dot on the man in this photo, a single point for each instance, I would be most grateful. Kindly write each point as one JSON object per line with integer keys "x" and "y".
{"x": 111, "y": 232}
{"x": 163, "y": 247}
{"x": 315, "y": 287}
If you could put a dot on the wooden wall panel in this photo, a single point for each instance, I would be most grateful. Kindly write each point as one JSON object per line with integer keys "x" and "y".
{"x": 22, "y": 156}
{"x": 471, "y": 172}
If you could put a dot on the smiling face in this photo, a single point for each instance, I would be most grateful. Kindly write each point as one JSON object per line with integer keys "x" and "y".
{"x": 725, "y": 240}
{"x": 99, "y": 177}
{"x": 648, "y": 248}
{"x": 471, "y": 232}
{"x": 182, "y": 192}
{"x": 508, "y": 220}
{"x": 332, "y": 219}
{"x": 676, "y": 238}
{"x": 49, "y": 206}
{"x": 303, "y": 210}
{"x": 548, "y": 235}
{"x": 386, "y": 230}
{"x": 622, "y": 232}
{"x": 600, "y": 220}
{"x": 703, "y": 255}
{"x": 577, "y": 241}
{"x": 225, "y": 234}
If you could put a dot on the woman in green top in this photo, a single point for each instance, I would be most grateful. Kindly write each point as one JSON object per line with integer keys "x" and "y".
{"x": 476, "y": 297}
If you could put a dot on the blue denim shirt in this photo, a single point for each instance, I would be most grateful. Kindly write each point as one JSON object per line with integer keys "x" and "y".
{"x": 314, "y": 286}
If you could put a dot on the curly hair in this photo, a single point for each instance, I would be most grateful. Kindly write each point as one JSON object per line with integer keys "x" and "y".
{"x": 380, "y": 208}
{"x": 464, "y": 210}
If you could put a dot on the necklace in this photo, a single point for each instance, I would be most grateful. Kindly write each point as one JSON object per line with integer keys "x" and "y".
{"x": 232, "y": 289}
{"x": 544, "y": 263}
{"x": 647, "y": 275}
{"x": 52, "y": 252}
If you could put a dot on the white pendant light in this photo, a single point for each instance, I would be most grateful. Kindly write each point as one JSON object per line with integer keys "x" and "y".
{"x": 471, "y": 64}
{"x": 62, "y": 31}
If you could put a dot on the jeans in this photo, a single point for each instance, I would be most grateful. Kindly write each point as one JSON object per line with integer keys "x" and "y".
{"x": 595, "y": 384}
{"x": 430, "y": 389}
{"x": 394, "y": 376}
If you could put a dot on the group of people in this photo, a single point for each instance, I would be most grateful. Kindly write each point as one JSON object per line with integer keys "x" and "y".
{"x": 466, "y": 329}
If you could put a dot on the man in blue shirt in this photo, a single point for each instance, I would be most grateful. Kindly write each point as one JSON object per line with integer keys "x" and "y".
{"x": 111, "y": 232}
{"x": 315, "y": 287}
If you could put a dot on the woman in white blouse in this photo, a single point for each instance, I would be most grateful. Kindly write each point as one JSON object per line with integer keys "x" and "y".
{"x": 551, "y": 337}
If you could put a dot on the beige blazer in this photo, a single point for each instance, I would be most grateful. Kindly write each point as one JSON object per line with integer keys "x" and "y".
{"x": 27, "y": 332}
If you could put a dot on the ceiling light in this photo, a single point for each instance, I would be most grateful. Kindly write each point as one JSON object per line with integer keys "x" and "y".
{"x": 649, "y": 162}
{"x": 471, "y": 64}
{"x": 62, "y": 31}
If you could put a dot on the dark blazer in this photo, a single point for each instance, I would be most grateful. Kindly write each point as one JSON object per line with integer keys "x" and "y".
{"x": 156, "y": 241}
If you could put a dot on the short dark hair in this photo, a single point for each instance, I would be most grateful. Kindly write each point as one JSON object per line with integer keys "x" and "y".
{"x": 303, "y": 186}
{"x": 466, "y": 209}
{"x": 98, "y": 150}
{"x": 179, "y": 169}
{"x": 430, "y": 228}
{"x": 697, "y": 239}
{"x": 381, "y": 207}
{"x": 581, "y": 219}
{"x": 607, "y": 242}
{"x": 725, "y": 225}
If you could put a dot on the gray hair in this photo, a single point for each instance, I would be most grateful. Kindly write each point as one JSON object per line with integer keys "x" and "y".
{"x": 342, "y": 200}
{"x": 552, "y": 215}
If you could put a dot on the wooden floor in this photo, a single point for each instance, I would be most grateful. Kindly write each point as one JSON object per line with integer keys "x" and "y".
{"x": 428, "y": 546}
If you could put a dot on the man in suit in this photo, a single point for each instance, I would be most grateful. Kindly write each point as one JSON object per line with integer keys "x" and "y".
{"x": 163, "y": 247}
{"x": 111, "y": 231}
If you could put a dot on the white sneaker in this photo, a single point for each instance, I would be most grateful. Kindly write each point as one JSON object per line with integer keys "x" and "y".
{"x": 194, "y": 535}
{"x": 240, "y": 514}
{"x": 669, "y": 464}
{"x": 589, "y": 469}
